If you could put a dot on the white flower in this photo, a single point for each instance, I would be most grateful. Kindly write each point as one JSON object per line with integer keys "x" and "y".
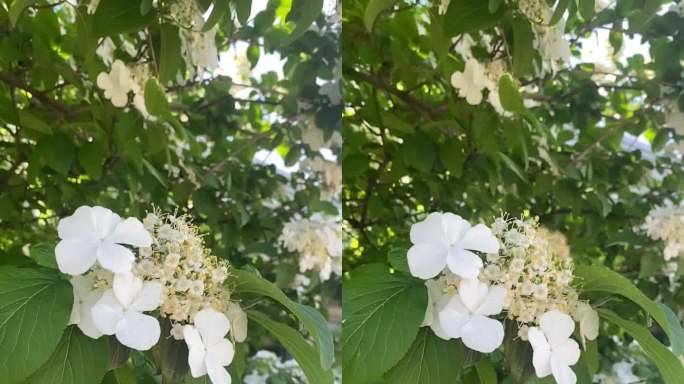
{"x": 465, "y": 315}
{"x": 588, "y": 321}
{"x": 238, "y": 321}
{"x": 119, "y": 311}
{"x": 85, "y": 297}
{"x": 445, "y": 239}
{"x": 95, "y": 234}
{"x": 470, "y": 82}
{"x": 209, "y": 351}
{"x": 554, "y": 350}
{"x": 443, "y": 6}
{"x": 116, "y": 84}
{"x": 106, "y": 50}
{"x": 92, "y": 6}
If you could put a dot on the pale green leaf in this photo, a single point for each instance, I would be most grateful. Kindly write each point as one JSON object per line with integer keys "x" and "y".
{"x": 373, "y": 10}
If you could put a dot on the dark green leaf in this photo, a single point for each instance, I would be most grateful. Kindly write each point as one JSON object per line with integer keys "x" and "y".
{"x": 217, "y": 13}
{"x": 469, "y": 16}
{"x": 155, "y": 99}
{"x": 397, "y": 259}
{"x": 170, "y": 53}
{"x": 303, "y": 13}
{"x": 373, "y": 9}
{"x": 243, "y": 9}
{"x": 44, "y": 255}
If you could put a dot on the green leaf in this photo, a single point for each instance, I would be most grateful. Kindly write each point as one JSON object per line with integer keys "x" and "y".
{"x": 169, "y": 53}
{"x": 523, "y": 49}
{"x": 586, "y": 8}
{"x": 249, "y": 283}
{"x": 303, "y": 13}
{"x": 113, "y": 17}
{"x": 155, "y": 99}
{"x": 243, "y": 9}
{"x": 429, "y": 360}
{"x": 469, "y": 16}
{"x": 373, "y": 10}
{"x": 518, "y": 353}
{"x": 452, "y": 156}
{"x": 382, "y": 314}
{"x": 671, "y": 369}
{"x": 486, "y": 372}
{"x": 35, "y": 305}
{"x": 44, "y": 255}
{"x": 560, "y": 10}
{"x": 31, "y": 121}
{"x": 92, "y": 156}
{"x": 295, "y": 344}
{"x": 153, "y": 171}
{"x": 510, "y": 97}
{"x": 170, "y": 355}
{"x": 514, "y": 167}
{"x": 601, "y": 279}
{"x": 145, "y": 6}
{"x": 397, "y": 259}
{"x": 677, "y": 338}
{"x": 17, "y": 8}
{"x": 217, "y": 13}
{"x": 78, "y": 359}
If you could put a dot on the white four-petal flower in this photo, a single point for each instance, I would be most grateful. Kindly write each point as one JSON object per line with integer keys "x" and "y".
{"x": 554, "y": 350}
{"x": 465, "y": 315}
{"x": 116, "y": 84}
{"x": 470, "y": 82}
{"x": 119, "y": 311}
{"x": 96, "y": 234}
{"x": 85, "y": 297}
{"x": 445, "y": 239}
{"x": 209, "y": 350}
{"x": 437, "y": 299}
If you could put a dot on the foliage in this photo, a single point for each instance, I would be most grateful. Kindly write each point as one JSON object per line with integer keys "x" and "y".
{"x": 187, "y": 146}
{"x": 563, "y": 148}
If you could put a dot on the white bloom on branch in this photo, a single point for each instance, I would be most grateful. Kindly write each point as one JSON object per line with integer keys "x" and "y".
{"x": 95, "y": 234}
{"x": 553, "y": 349}
{"x": 120, "y": 311}
{"x": 318, "y": 241}
{"x": 470, "y": 82}
{"x": 106, "y": 50}
{"x": 465, "y": 315}
{"x": 116, "y": 84}
{"x": 445, "y": 239}
{"x": 209, "y": 350}
{"x": 85, "y": 297}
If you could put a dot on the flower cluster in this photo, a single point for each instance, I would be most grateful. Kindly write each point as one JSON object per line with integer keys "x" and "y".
{"x": 475, "y": 78}
{"x": 535, "y": 266}
{"x": 332, "y": 174}
{"x": 266, "y": 365}
{"x": 666, "y": 224}
{"x": 528, "y": 274}
{"x": 318, "y": 241}
{"x": 113, "y": 289}
{"x": 121, "y": 80}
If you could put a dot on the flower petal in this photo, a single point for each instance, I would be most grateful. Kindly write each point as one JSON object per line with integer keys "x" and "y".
{"x": 107, "y": 313}
{"x": 557, "y": 326}
{"x": 75, "y": 256}
{"x": 588, "y": 321}
{"x": 196, "y": 357}
{"x": 85, "y": 322}
{"x": 126, "y": 287}
{"x": 115, "y": 257}
{"x": 105, "y": 220}
{"x": 429, "y": 230}
{"x": 562, "y": 373}
{"x": 80, "y": 225}
{"x": 493, "y": 303}
{"x": 472, "y": 293}
{"x": 464, "y": 263}
{"x": 192, "y": 337}
{"x": 132, "y": 232}
{"x": 212, "y": 325}
{"x": 452, "y": 317}
{"x": 480, "y": 238}
{"x": 138, "y": 331}
{"x": 454, "y": 227}
{"x": 567, "y": 353}
{"x": 482, "y": 334}
{"x": 217, "y": 373}
{"x": 541, "y": 356}
{"x": 426, "y": 260}
{"x": 238, "y": 321}
{"x": 103, "y": 80}
{"x": 149, "y": 297}
{"x": 222, "y": 352}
